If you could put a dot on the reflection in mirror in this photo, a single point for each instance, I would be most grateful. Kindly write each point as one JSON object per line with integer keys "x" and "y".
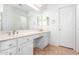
{"x": 38, "y": 20}
{"x": 1, "y": 12}
{"x": 23, "y": 23}
{"x": 0, "y": 21}
{"x": 14, "y": 17}
{"x": 19, "y": 17}
{"x": 43, "y": 21}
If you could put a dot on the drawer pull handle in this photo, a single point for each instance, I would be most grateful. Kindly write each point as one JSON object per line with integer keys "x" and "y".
{"x": 27, "y": 39}
{"x": 10, "y": 44}
{"x": 10, "y": 53}
{"x": 19, "y": 49}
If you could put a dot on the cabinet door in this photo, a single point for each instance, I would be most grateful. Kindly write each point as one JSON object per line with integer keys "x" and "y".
{"x": 22, "y": 50}
{"x": 25, "y": 49}
{"x": 29, "y": 49}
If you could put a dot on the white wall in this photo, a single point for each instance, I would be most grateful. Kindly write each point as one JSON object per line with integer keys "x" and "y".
{"x": 53, "y": 13}
{"x": 11, "y": 17}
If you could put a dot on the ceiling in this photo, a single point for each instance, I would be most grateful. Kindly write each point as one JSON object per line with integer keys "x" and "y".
{"x": 27, "y": 8}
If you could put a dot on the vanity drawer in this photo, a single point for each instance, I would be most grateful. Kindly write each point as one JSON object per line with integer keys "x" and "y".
{"x": 46, "y": 35}
{"x": 37, "y": 36}
{"x": 11, "y": 51}
{"x": 29, "y": 40}
{"x": 8, "y": 44}
{"x": 21, "y": 40}
{"x": 24, "y": 40}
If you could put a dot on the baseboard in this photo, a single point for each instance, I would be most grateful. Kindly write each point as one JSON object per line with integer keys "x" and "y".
{"x": 54, "y": 44}
{"x": 66, "y": 47}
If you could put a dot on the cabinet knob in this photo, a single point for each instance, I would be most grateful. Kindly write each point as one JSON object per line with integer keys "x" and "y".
{"x": 10, "y": 53}
{"x": 10, "y": 44}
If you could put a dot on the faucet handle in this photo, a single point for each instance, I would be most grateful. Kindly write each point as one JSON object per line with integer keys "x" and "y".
{"x": 13, "y": 31}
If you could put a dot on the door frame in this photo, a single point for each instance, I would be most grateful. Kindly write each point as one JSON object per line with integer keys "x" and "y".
{"x": 74, "y": 23}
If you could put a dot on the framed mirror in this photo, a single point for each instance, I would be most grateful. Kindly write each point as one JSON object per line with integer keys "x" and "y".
{"x": 12, "y": 17}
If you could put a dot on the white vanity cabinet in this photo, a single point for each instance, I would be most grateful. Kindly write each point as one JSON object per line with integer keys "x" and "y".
{"x": 25, "y": 47}
{"x": 18, "y": 46}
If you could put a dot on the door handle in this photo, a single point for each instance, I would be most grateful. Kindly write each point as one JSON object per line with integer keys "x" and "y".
{"x": 19, "y": 49}
{"x": 10, "y": 44}
{"x": 59, "y": 29}
{"x": 10, "y": 53}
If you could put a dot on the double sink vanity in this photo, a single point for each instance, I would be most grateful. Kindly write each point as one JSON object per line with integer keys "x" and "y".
{"x": 23, "y": 42}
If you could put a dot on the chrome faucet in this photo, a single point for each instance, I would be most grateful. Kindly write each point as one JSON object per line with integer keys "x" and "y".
{"x": 13, "y": 32}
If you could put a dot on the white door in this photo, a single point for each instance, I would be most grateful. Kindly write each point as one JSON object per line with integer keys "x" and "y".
{"x": 66, "y": 24}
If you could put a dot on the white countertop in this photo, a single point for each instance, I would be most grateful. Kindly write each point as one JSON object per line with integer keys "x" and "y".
{"x": 21, "y": 33}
